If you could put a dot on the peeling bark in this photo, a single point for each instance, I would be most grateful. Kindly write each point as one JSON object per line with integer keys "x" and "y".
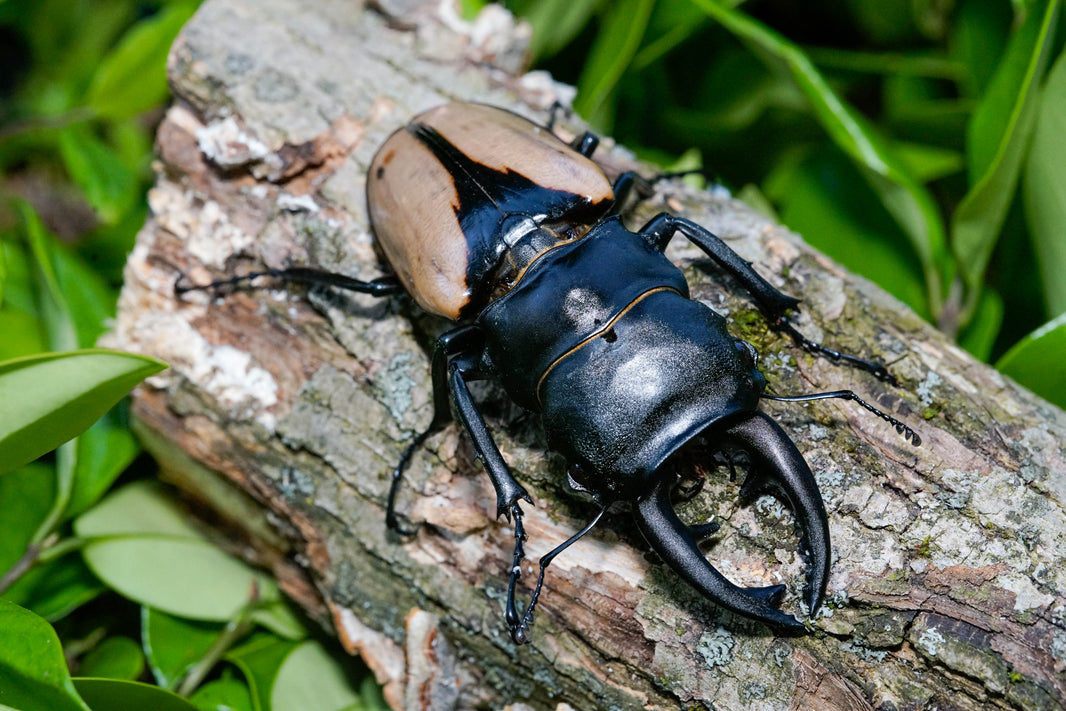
{"x": 285, "y": 410}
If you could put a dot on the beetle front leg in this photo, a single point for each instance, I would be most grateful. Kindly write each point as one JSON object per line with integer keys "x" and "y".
{"x": 774, "y": 304}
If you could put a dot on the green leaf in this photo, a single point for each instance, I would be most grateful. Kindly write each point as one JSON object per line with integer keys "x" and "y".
{"x": 55, "y": 588}
{"x": 47, "y": 399}
{"x": 116, "y": 695}
{"x": 996, "y": 144}
{"x": 25, "y": 499}
{"x": 1036, "y": 361}
{"x": 174, "y": 645}
{"x": 1044, "y": 188}
{"x": 616, "y": 43}
{"x": 907, "y": 201}
{"x": 49, "y": 302}
{"x": 978, "y": 37}
{"x": 824, "y": 199}
{"x": 556, "y": 23}
{"x": 22, "y": 335}
{"x": 109, "y": 186}
{"x": 33, "y": 671}
{"x": 115, "y": 658}
{"x": 105, "y": 450}
{"x": 148, "y": 552}
{"x": 311, "y": 678}
{"x": 279, "y": 617}
{"x": 980, "y": 335}
{"x": 260, "y": 659}
{"x": 132, "y": 78}
{"x": 225, "y": 694}
{"x": 3, "y": 272}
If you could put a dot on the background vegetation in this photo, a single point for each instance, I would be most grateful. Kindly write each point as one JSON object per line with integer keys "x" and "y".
{"x": 918, "y": 142}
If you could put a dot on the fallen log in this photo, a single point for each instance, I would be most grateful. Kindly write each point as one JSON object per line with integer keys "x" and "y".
{"x": 285, "y": 409}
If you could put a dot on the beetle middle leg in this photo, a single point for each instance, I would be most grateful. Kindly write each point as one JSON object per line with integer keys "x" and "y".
{"x": 455, "y": 358}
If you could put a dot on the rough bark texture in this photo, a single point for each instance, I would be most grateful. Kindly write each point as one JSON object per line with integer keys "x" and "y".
{"x": 284, "y": 412}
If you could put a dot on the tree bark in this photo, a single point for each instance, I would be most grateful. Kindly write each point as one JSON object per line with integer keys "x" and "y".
{"x": 284, "y": 411}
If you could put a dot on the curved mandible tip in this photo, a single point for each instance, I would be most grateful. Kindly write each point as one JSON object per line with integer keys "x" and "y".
{"x": 775, "y": 458}
{"x": 673, "y": 541}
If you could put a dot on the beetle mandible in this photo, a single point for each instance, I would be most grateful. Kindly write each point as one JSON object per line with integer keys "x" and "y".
{"x": 494, "y": 222}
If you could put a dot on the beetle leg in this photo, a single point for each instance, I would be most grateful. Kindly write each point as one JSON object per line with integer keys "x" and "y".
{"x": 907, "y": 432}
{"x": 520, "y": 626}
{"x": 508, "y": 491}
{"x": 676, "y": 545}
{"x": 463, "y": 341}
{"x": 383, "y": 286}
{"x": 772, "y": 302}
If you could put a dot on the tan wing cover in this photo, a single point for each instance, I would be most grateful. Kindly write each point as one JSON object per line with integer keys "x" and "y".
{"x": 413, "y": 199}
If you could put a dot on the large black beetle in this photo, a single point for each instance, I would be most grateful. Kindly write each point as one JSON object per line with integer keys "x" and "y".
{"x": 492, "y": 221}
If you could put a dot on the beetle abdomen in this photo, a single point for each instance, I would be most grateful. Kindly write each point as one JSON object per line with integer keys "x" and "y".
{"x": 440, "y": 188}
{"x": 618, "y": 409}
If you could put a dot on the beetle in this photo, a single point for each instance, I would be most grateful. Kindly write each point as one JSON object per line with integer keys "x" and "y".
{"x": 492, "y": 221}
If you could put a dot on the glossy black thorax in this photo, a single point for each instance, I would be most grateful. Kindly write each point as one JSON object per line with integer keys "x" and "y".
{"x": 599, "y": 337}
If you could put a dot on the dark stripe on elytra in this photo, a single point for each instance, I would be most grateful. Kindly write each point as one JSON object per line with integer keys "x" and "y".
{"x": 486, "y": 196}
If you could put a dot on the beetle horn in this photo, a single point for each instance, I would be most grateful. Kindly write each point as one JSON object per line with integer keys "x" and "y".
{"x": 775, "y": 458}
{"x": 674, "y": 542}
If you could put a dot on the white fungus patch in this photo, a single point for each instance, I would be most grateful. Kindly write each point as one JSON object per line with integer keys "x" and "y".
{"x": 930, "y": 641}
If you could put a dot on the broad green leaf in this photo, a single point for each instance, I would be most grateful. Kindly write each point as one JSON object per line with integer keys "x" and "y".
{"x": 118, "y": 695}
{"x": 225, "y": 694}
{"x": 105, "y": 450}
{"x": 616, "y": 43}
{"x": 996, "y": 144}
{"x": 148, "y": 552}
{"x": 907, "y": 201}
{"x": 55, "y": 588}
{"x": 260, "y": 659}
{"x": 371, "y": 694}
{"x": 1044, "y": 188}
{"x": 173, "y": 645}
{"x": 109, "y": 186}
{"x": 47, "y": 399}
{"x": 132, "y": 78}
{"x": 114, "y": 658}
{"x": 33, "y": 671}
{"x": 311, "y": 678}
{"x": 1036, "y": 361}
{"x": 25, "y": 498}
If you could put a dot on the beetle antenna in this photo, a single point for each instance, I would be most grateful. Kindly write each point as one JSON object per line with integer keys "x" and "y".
{"x": 383, "y": 286}
{"x": 520, "y": 627}
{"x": 907, "y": 432}
{"x": 878, "y": 370}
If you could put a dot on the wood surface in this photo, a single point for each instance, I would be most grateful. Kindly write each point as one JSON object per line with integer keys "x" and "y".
{"x": 285, "y": 410}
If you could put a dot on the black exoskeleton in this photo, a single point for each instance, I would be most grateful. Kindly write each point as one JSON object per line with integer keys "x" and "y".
{"x": 492, "y": 221}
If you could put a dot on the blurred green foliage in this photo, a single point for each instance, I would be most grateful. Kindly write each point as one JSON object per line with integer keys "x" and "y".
{"x": 134, "y": 592}
{"x": 917, "y": 142}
